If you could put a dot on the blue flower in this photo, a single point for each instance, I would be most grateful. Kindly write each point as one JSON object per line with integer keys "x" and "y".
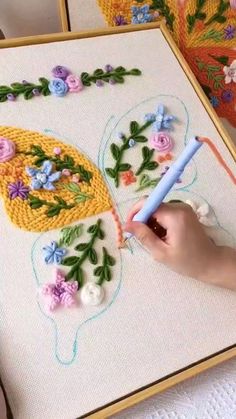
{"x": 160, "y": 119}
{"x": 43, "y": 178}
{"x": 141, "y": 14}
{"x": 58, "y": 87}
{"x": 214, "y": 101}
{"x": 53, "y": 253}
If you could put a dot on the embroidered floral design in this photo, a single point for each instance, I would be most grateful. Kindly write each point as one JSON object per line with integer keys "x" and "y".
{"x": 147, "y": 163}
{"x": 203, "y": 213}
{"x": 146, "y": 182}
{"x": 227, "y": 96}
{"x": 214, "y": 101}
{"x": 141, "y": 14}
{"x": 128, "y": 178}
{"x": 119, "y": 20}
{"x": 165, "y": 157}
{"x": 230, "y": 32}
{"x": 233, "y": 4}
{"x": 160, "y": 119}
{"x": 103, "y": 272}
{"x": 60, "y": 72}
{"x": 61, "y": 292}
{"x": 43, "y": 178}
{"x": 18, "y": 190}
{"x": 57, "y": 151}
{"x": 161, "y": 141}
{"x": 92, "y": 294}
{"x": 58, "y": 87}
{"x": 230, "y": 72}
{"x": 74, "y": 83}
{"x": 7, "y": 149}
{"x": 53, "y": 253}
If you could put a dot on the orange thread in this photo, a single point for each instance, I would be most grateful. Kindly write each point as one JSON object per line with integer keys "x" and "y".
{"x": 219, "y": 157}
{"x": 120, "y": 239}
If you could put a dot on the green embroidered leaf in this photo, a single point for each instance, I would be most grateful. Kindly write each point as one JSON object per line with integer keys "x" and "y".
{"x": 100, "y": 234}
{"x": 92, "y": 255}
{"x": 61, "y": 201}
{"x": 220, "y": 19}
{"x": 82, "y": 197}
{"x": 110, "y": 172}
{"x": 134, "y": 127}
{"x": 98, "y": 271}
{"x": 207, "y": 90}
{"x": 28, "y": 94}
{"x": 119, "y": 69}
{"x": 152, "y": 165}
{"x": 5, "y": 89}
{"x": 69, "y": 234}
{"x": 3, "y": 98}
{"x": 79, "y": 276}
{"x": 107, "y": 273}
{"x": 81, "y": 247}
{"x": 147, "y": 164}
{"x": 18, "y": 86}
{"x": 118, "y": 78}
{"x": 147, "y": 153}
{"x": 71, "y": 273}
{"x": 115, "y": 151}
{"x": 123, "y": 167}
{"x": 98, "y": 72}
{"x": 147, "y": 182}
{"x": 223, "y": 59}
{"x": 103, "y": 271}
{"x": 72, "y": 187}
{"x": 140, "y": 139}
{"x": 53, "y": 211}
{"x": 92, "y": 229}
{"x": 44, "y": 81}
{"x": 70, "y": 261}
{"x": 110, "y": 260}
{"x": 135, "y": 72}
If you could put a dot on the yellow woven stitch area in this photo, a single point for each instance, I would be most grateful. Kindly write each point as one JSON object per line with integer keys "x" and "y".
{"x": 195, "y": 38}
{"x": 20, "y": 212}
{"x": 112, "y": 8}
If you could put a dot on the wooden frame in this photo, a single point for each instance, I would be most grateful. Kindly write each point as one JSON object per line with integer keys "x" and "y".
{"x": 64, "y": 15}
{"x": 215, "y": 359}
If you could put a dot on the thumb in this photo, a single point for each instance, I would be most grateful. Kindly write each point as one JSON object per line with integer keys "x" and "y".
{"x": 146, "y": 237}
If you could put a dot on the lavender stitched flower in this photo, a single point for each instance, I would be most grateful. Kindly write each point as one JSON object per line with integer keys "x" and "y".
{"x": 119, "y": 20}
{"x": 61, "y": 292}
{"x": 230, "y": 32}
{"x": 58, "y": 87}
{"x": 18, "y": 189}
{"x": 108, "y": 68}
{"x": 141, "y": 14}
{"x": 160, "y": 119}
{"x": 60, "y": 72}
{"x": 43, "y": 178}
{"x": 53, "y": 253}
{"x": 227, "y": 96}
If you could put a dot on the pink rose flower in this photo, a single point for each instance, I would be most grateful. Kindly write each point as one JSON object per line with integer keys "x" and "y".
{"x": 7, "y": 149}
{"x": 74, "y": 83}
{"x": 66, "y": 172}
{"x": 57, "y": 151}
{"x": 161, "y": 141}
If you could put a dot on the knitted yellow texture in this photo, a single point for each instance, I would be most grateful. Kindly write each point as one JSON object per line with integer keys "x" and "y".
{"x": 112, "y": 8}
{"x": 20, "y": 211}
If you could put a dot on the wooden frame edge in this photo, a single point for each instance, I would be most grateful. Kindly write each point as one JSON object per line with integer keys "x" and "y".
{"x": 226, "y": 354}
{"x": 63, "y": 13}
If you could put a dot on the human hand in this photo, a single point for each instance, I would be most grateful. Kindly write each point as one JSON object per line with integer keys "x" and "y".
{"x": 186, "y": 248}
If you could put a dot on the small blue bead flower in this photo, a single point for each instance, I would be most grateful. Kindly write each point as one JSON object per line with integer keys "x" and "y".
{"x": 160, "y": 119}
{"x": 141, "y": 14}
{"x": 132, "y": 142}
{"x": 53, "y": 253}
{"x": 120, "y": 135}
{"x": 214, "y": 101}
{"x": 43, "y": 178}
{"x": 58, "y": 87}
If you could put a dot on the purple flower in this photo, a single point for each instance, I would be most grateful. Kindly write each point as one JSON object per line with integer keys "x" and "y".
{"x": 108, "y": 68}
{"x": 36, "y": 92}
{"x": 11, "y": 97}
{"x": 25, "y": 82}
{"x": 214, "y": 101}
{"x": 60, "y": 72}
{"x": 227, "y": 96}
{"x": 18, "y": 189}
{"x": 230, "y": 31}
{"x": 112, "y": 81}
{"x": 61, "y": 292}
{"x": 99, "y": 83}
{"x": 119, "y": 20}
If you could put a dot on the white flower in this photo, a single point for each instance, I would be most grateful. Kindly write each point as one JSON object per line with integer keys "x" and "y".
{"x": 202, "y": 212}
{"x": 91, "y": 294}
{"x": 230, "y": 72}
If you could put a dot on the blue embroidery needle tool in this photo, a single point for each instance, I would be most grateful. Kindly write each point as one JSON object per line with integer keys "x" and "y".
{"x": 166, "y": 183}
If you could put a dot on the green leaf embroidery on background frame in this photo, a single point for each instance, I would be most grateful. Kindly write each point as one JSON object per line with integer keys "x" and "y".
{"x": 198, "y": 15}
{"x": 219, "y": 15}
{"x": 66, "y": 163}
{"x": 164, "y": 10}
{"x": 88, "y": 253}
{"x": 79, "y": 195}
{"x": 212, "y": 34}
{"x": 118, "y": 152}
{"x": 211, "y": 71}
{"x": 147, "y": 182}
{"x": 147, "y": 164}
{"x": 54, "y": 208}
{"x": 69, "y": 234}
{"x": 223, "y": 59}
{"x": 104, "y": 271}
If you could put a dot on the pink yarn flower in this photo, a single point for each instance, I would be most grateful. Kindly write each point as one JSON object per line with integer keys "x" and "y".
{"x": 74, "y": 83}
{"x": 61, "y": 292}
{"x": 233, "y": 4}
{"x": 7, "y": 149}
{"x": 57, "y": 151}
{"x": 66, "y": 172}
{"x": 161, "y": 141}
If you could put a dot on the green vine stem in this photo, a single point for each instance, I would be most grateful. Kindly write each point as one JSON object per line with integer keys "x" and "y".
{"x": 69, "y": 234}
{"x": 164, "y": 10}
{"x": 147, "y": 182}
{"x": 54, "y": 208}
{"x": 198, "y": 15}
{"x": 116, "y": 75}
{"x": 88, "y": 252}
{"x": 66, "y": 163}
{"x": 219, "y": 15}
{"x": 103, "y": 272}
{"x": 28, "y": 90}
{"x": 79, "y": 195}
{"x": 118, "y": 152}
{"x": 212, "y": 34}
{"x": 211, "y": 71}
{"x": 147, "y": 164}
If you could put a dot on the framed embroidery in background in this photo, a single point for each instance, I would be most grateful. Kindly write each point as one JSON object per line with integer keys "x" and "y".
{"x": 89, "y": 123}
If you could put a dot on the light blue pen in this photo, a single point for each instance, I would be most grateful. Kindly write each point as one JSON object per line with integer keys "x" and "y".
{"x": 167, "y": 182}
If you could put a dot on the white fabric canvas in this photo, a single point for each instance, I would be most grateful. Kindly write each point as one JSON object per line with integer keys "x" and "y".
{"x": 153, "y": 322}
